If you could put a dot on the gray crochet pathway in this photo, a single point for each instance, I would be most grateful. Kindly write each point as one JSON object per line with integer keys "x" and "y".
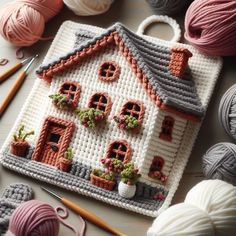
{"x": 143, "y": 199}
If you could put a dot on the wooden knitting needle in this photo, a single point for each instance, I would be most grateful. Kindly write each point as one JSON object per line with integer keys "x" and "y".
{"x": 13, "y": 69}
{"x": 15, "y": 87}
{"x": 85, "y": 214}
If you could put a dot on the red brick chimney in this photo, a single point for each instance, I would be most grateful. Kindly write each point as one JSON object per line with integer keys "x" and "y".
{"x": 179, "y": 61}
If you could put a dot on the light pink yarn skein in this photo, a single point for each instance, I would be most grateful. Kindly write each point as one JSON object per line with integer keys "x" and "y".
{"x": 210, "y": 26}
{"x": 22, "y": 22}
{"x": 34, "y": 218}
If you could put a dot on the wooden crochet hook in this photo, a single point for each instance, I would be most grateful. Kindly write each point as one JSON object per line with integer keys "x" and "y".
{"x": 13, "y": 69}
{"x": 15, "y": 87}
{"x": 85, "y": 214}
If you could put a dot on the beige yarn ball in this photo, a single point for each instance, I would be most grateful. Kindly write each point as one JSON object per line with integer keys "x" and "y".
{"x": 209, "y": 209}
{"x": 88, "y": 7}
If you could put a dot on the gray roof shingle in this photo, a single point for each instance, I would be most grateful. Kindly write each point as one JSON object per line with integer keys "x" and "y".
{"x": 153, "y": 60}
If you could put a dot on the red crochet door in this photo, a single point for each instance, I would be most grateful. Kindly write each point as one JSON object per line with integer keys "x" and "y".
{"x": 53, "y": 141}
{"x": 52, "y": 145}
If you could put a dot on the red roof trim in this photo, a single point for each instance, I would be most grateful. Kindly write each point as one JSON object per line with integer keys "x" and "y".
{"x": 48, "y": 74}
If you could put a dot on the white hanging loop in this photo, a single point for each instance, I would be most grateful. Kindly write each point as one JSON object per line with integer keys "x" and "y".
{"x": 155, "y": 19}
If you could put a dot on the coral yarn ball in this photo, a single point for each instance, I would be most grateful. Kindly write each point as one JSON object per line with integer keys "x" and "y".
{"x": 22, "y": 22}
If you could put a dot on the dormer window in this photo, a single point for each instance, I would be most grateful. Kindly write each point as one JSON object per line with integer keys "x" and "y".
{"x": 109, "y": 71}
{"x": 167, "y": 128}
{"x": 100, "y": 101}
{"x": 120, "y": 150}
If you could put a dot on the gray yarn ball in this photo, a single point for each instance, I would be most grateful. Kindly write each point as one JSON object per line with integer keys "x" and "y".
{"x": 227, "y": 111}
{"x": 168, "y": 7}
{"x": 219, "y": 162}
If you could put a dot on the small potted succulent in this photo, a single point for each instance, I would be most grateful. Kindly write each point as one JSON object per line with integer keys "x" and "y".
{"x": 62, "y": 101}
{"x": 19, "y": 145}
{"x": 90, "y": 117}
{"x": 129, "y": 178}
{"x": 113, "y": 164}
{"x": 127, "y": 122}
{"x": 66, "y": 161}
{"x": 103, "y": 179}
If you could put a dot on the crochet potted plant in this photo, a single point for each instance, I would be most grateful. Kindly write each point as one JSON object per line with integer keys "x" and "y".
{"x": 19, "y": 145}
{"x": 66, "y": 161}
{"x": 127, "y": 122}
{"x": 113, "y": 164}
{"x": 103, "y": 179}
{"x": 90, "y": 117}
{"x": 129, "y": 178}
{"x": 62, "y": 101}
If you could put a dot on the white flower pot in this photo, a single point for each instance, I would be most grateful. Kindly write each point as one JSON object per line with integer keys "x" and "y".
{"x": 125, "y": 190}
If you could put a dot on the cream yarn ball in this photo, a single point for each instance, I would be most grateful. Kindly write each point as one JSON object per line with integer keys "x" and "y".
{"x": 88, "y": 7}
{"x": 209, "y": 209}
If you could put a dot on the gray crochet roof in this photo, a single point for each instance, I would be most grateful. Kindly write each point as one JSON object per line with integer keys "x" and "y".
{"x": 154, "y": 61}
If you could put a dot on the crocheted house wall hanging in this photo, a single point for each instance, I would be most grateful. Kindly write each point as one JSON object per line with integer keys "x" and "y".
{"x": 117, "y": 109}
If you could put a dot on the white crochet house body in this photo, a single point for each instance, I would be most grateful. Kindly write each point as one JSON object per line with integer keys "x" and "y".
{"x": 110, "y": 69}
{"x": 90, "y": 145}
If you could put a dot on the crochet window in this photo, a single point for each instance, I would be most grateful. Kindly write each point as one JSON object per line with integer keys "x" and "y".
{"x": 156, "y": 167}
{"x": 72, "y": 90}
{"x": 134, "y": 109}
{"x": 120, "y": 150}
{"x": 167, "y": 128}
{"x": 100, "y": 101}
{"x": 109, "y": 71}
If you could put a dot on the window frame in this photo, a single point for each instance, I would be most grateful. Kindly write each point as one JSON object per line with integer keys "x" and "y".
{"x": 167, "y": 128}
{"x": 115, "y": 73}
{"x": 76, "y": 92}
{"x": 108, "y": 103}
{"x": 127, "y": 153}
{"x": 154, "y": 169}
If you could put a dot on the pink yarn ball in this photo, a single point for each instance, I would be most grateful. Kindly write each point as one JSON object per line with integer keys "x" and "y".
{"x": 22, "y": 22}
{"x": 34, "y": 218}
{"x": 210, "y": 26}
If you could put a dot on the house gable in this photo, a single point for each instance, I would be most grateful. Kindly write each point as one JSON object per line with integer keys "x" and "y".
{"x": 169, "y": 93}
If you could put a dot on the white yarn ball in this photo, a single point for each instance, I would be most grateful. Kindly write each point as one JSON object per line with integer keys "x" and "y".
{"x": 88, "y": 7}
{"x": 209, "y": 209}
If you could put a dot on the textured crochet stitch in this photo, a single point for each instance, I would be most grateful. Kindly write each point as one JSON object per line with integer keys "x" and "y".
{"x": 145, "y": 76}
{"x": 12, "y": 197}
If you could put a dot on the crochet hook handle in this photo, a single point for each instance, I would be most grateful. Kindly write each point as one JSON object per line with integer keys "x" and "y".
{"x": 91, "y": 217}
{"x": 15, "y": 87}
{"x": 12, "y": 70}
{"x": 9, "y": 72}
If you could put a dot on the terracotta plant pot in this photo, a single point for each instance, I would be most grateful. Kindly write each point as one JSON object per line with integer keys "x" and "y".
{"x": 19, "y": 148}
{"x": 102, "y": 183}
{"x": 125, "y": 190}
{"x": 64, "y": 164}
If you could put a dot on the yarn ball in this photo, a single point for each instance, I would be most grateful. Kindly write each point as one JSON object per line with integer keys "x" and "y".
{"x": 210, "y": 26}
{"x": 227, "y": 111}
{"x": 22, "y": 22}
{"x": 88, "y": 7}
{"x": 219, "y": 162}
{"x": 34, "y": 218}
{"x": 168, "y": 7}
{"x": 209, "y": 209}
